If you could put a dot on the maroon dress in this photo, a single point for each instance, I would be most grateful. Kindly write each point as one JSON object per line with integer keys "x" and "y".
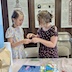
{"x": 44, "y": 51}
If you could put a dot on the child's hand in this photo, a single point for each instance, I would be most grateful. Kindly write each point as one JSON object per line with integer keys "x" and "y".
{"x": 27, "y": 41}
{"x": 30, "y": 35}
{"x": 35, "y": 40}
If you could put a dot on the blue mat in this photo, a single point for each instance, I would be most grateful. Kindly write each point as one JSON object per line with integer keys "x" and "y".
{"x": 27, "y": 68}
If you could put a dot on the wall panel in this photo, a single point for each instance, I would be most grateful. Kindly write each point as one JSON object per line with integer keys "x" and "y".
{"x": 31, "y": 17}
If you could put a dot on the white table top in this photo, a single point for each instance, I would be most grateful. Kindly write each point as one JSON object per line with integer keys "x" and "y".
{"x": 62, "y": 63}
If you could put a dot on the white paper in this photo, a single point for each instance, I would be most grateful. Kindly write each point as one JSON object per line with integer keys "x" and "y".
{"x": 45, "y": 5}
{"x": 18, "y": 4}
{"x": 66, "y": 14}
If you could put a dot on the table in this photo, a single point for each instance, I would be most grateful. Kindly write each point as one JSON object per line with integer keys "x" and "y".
{"x": 62, "y": 63}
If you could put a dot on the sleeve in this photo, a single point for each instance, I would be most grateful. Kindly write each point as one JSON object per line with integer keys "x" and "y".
{"x": 9, "y": 33}
{"x": 54, "y": 31}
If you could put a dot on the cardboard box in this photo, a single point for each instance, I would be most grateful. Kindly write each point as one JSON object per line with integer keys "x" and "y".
{"x": 4, "y": 60}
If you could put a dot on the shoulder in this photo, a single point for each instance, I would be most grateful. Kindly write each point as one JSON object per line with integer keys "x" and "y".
{"x": 10, "y": 32}
{"x": 39, "y": 29}
{"x": 10, "y": 29}
{"x": 54, "y": 31}
{"x": 54, "y": 28}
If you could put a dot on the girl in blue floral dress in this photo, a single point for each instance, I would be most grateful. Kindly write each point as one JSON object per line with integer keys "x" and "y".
{"x": 15, "y": 35}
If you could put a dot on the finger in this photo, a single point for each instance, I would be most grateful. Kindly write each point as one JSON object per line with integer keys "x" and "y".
{"x": 28, "y": 36}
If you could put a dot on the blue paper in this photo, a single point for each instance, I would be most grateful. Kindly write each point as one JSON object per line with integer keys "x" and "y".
{"x": 30, "y": 69}
{"x": 49, "y": 68}
{"x": 1, "y": 29}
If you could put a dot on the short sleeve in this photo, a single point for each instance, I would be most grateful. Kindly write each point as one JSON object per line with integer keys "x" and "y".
{"x": 54, "y": 31}
{"x": 9, "y": 32}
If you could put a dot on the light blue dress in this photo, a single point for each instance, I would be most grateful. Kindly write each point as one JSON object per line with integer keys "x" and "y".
{"x": 17, "y": 35}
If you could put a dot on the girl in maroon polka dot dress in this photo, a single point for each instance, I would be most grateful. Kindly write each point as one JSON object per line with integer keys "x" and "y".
{"x": 47, "y": 36}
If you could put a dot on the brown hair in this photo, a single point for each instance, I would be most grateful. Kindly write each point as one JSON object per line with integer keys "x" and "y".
{"x": 44, "y": 17}
{"x": 16, "y": 14}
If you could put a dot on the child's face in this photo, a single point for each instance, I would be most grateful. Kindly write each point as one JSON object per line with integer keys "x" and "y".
{"x": 42, "y": 23}
{"x": 19, "y": 20}
{"x": 44, "y": 26}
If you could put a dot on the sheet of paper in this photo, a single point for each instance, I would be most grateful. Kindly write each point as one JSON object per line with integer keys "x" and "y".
{"x": 66, "y": 14}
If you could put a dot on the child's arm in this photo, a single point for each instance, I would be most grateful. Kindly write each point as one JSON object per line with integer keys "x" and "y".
{"x": 13, "y": 44}
{"x": 51, "y": 43}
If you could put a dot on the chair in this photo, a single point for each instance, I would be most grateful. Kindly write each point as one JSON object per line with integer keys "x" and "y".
{"x": 32, "y": 52}
{"x": 63, "y": 44}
